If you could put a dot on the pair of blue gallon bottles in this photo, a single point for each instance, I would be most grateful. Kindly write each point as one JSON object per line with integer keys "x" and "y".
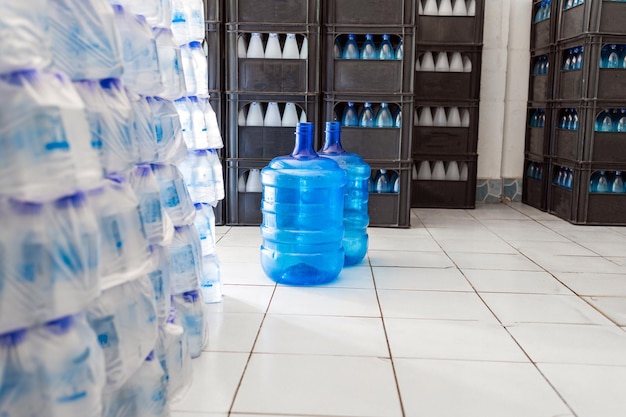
{"x": 314, "y": 209}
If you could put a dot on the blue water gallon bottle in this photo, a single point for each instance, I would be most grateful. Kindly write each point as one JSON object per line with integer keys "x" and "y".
{"x": 302, "y": 206}
{"x": 355, "y": 214}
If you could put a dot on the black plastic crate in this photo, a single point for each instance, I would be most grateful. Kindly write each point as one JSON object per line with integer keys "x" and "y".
{"x": 535, "y": 184}
{"x": 370, "y": 12}
{"x": 220, "y": 215}
{"x": 391, "y": 209}
{"x": 430, "y": 84}
{"x": 443, "y": 193}
{"x": 368, "y": 75}
{"x": 542, "y": 68}
{"x": 580, "y": 206}
{"x": 213, "y": 42}
{"x": 266, "y": 142}
{"x": 453, "y": 140}
{"x": 273, "y": 11}
{"x": 590, "y": 81}
{"x": 243, "y": 208}
{"x": 593, "y": 17}
{"x": 538, "y": 128}
{"x": 216, "y": 99}
{"x": 543, "y": 31}
{"x": 260, "y": 75}
{"x": 585, "y": 144}
{"x": 373, "y": 143}
{"x": 452, "y": 29}
{"x": 213, "y": 10}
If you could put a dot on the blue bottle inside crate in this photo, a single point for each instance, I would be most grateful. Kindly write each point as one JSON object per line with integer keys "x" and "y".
{"x": 302, "y": 206}
{"x": 355, "y": 214}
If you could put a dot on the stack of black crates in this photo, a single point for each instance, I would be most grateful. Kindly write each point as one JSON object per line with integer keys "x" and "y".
{"x": 565, "y": 151}
{"x": 265, "y": 80}
{"x": 374, "y": 81}
{"x": 321, "y": 85}
{"x": 451, "y": 89}
{"x": 213, "y": 44}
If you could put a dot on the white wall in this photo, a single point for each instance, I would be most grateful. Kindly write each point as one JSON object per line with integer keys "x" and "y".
{"x": 504, "y": 88}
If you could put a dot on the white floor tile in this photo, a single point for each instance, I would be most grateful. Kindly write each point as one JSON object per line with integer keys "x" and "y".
{"x": 243, "y": 273}
{"x": 434, "y": 305}
{"x": 591, "y": 391}
{"x": 552, "y": 248}
{"x": 440, "y": 279}
{"x": 475, "y": 233}
{"x": 233, "y": 332}
{"x": 325, "y": 301}
{"x": 443, "y": 339}
{"x": 473, "y": 246}
{"x": 318, "y": 385}
{"x": 613, "y": 307}
{"x": 239, "y": 254}
{"x": 572, "y": 343}
{"x": 530, "y": 282}
{"x": 563, "y": 263}
{"x": 409, "y": 259}
{"x": 243, "y": 299}
{"x": 442, "y": 388}
{"x": 504, "y": 262}
{"x": 404, "y": 243}
{"x": 186, "y": 414}
{"x": 322, "y": 335}
{"x": 357, "y": 276}
{"x": 216, "y": 376}
{"x": 542, "y": 308}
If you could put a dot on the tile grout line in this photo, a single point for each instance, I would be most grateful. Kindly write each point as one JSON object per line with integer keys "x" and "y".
{"x": 382, "y": 319}
{"x": 505, "y": 328}
{"x": 256, "y": 338}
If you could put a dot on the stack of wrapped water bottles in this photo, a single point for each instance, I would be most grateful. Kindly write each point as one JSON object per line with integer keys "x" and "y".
{"x": 101, "y": 303}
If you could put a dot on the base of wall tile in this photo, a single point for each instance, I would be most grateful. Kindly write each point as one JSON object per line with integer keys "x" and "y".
{"x": 498, "y": 190}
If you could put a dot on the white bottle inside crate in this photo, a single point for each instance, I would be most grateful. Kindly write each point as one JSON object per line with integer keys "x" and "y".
{"x": 304, "y": 50}
{"x": 428, "y": 62}
{"x": 465, "y": 118}
{"x": 460, "y": 8}
{"x": 454, "y": 117}
{"x": 445, "y": 8}
{"x": 290, "y": 49}
{"x": 272, "y": 47}
{"x": 272, "y": 115}
{"x": 241, "y": 183}
{"x": 414, "y": 174}
{"x": 442, "y": 64}
{"x": 440, "y": 119}
{"x": 463, "y": 174}
{"x": 303, "y": 118}
{"x": 253, "y": 185}
{"x": 467, "y": 64}
{"x": 416, "y": 119}
{"x": 290, "y": 116}
{"x": 255, "y": 46}
{"x": 241, "y": 117}
{"x": 420, "y": 8}
{"x": 456, "y": 61}
{"x": 426, "y": 117}
{"x": 424, "y": 172}
{"x": 255, "y": 114}
{"x": 452, "y": 173}
{"x": 471, "y": 8}
{"x": 242, "y": 47}
{"x": 430, "y": 8}
{"x": 439, "y": 171}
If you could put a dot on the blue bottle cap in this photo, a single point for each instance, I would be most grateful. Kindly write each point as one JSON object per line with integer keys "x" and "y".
{"x": 191, "y": 296}
{"x": 141, "y": 19}
{"x": 118, "y": 9}
{"x": 198, "y": 206}
{"x": 193, "y": 99}
{"x": 386, "y": 37}
{"x": 110, "y": 83}
{"x": 150, "y": 356}
{"x": 13, "y": 338}
{"x": 143, "y": 170}
{"x": 195, "y": 44}
{"x": 19, "y": 77}
{"x": 74, "y": 200}
{"x": 116, "y": 178}
{"x": 60, "y": 326}
{"x": 26, "y": 207}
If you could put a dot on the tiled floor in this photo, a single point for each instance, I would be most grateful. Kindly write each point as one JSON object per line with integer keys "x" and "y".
{"x": 500, "y": 311}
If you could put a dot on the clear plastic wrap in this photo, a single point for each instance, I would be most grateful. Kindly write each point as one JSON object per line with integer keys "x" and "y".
{"x": 160, "y": 278}
{"x": 175, "y": 197}
{"x": 85, "y": 39}
{"x": 170, "y": 142}
{"x": 144, "y": 183}
{"x": 202, "y": 170}
{"x": 190, "y": 312}
{"x": 185, "y": 260}
{"x": 173, "y": 353}
{"x": 143, "y": 130}
{"x": 124, "y": 318}
{"x": 170, "y": 64}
